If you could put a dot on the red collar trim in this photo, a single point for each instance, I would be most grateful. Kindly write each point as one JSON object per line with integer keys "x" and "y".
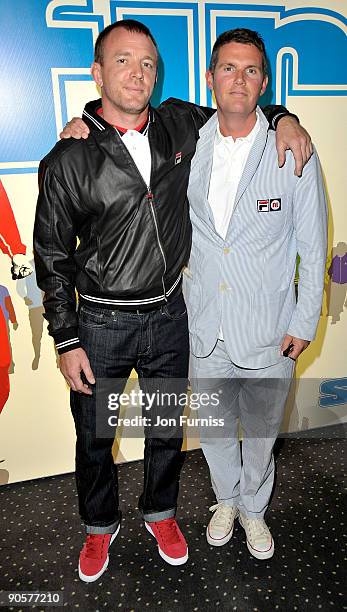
{"x": 138, "y": 128}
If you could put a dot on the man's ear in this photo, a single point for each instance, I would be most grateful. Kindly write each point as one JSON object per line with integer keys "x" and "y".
{"x": 264, "y": 85}
{"x": 209, "y": 79}
{"x": 96, "y": 73}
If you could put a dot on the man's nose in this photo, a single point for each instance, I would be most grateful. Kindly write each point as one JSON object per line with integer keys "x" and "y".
{"x": 239, "y": 76}
{"x": 137, "y": 70}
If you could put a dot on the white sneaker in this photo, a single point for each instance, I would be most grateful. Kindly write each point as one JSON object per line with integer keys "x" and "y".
{"x": 221, "y": 526}
{"x": 259, "y": 539}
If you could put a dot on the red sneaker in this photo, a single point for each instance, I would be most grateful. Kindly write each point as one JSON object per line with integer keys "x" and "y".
{"x": 94, "y": 555}
{"x": 171, "y": 542}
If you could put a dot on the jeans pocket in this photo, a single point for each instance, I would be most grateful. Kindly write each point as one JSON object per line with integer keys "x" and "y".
{"x": 176, "y": 309}
{"x": 92, "y": 319}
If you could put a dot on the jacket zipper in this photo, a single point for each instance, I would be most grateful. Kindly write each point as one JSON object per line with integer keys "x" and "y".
{"x": 99, "y": 260}
{"x": 150, "y": 200}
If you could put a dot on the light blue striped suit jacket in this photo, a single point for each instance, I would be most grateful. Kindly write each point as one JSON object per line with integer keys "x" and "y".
{"x": 246, "y": 283}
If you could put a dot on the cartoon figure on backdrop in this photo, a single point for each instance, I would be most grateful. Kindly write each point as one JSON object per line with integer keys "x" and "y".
{"x": 10, "y": 240}
{"x": 32, "y": 296}
{"x": 6, "y": 313}
{"x": 5, "y": 361}
{"x": 337, "y": 289}
{"x": 7, "y": 308}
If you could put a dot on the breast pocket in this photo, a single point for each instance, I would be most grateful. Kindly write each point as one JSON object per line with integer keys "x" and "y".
{"x": 269, "y": 215}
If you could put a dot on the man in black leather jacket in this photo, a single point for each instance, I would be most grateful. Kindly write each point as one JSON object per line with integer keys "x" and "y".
{"x": 122, "y": 193}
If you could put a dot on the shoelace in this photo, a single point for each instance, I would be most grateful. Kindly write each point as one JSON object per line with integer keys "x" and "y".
{"x": 257, "y": 528}
{"x": 221, "y": 514}
{"x": 168, "y": 531}
{"x": 94, "y": 545}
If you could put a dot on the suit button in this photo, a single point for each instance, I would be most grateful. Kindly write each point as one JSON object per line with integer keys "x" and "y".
{"x": 223, "y": 287}
{"x": 226, "y": 250}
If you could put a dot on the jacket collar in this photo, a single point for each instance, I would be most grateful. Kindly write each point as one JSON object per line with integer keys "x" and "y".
{"x": 210, "y": 127}
{"x": 204, "y": 155}
{"x": 97, "y": 123}
{"x": 206, "y": 144}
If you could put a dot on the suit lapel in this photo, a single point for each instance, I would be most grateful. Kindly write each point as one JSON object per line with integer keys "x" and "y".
{"x": 254, "y": 158}
{"x": 205, "y": 160}
{"x": 204, "y": 154}
{"x": 252, "y": 162}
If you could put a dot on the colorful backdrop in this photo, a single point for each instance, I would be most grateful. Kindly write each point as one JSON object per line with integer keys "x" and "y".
{"x": 46, "y": 49}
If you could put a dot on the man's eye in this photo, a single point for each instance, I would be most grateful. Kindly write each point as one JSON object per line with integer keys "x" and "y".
{"x": 148, "y": 65}
{"x": 252, "y": 71}
{"x": 229, "y": 68}
{"x": 121, "y": 60}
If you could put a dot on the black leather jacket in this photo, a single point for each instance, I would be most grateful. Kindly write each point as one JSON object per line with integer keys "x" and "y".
{"x": 100, "y": 230}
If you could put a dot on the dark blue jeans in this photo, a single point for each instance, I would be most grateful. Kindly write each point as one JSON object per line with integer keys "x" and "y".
{"x": 156, "y": 345}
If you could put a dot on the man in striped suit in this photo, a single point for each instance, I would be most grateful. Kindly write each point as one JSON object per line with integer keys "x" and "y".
{"x": 250, "y": 219}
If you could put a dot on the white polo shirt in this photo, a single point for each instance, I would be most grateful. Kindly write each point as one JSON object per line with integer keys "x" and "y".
{"x": 229, "y": 160}
{"x": 138, "y": 147}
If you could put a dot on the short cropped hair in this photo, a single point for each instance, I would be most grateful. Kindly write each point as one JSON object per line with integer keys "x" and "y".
{"x": 131, "y": 25}
{"x": 239, "y": 35}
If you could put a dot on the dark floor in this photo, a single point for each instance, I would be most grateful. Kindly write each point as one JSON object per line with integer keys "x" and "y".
{"x": 41, "y": 537}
